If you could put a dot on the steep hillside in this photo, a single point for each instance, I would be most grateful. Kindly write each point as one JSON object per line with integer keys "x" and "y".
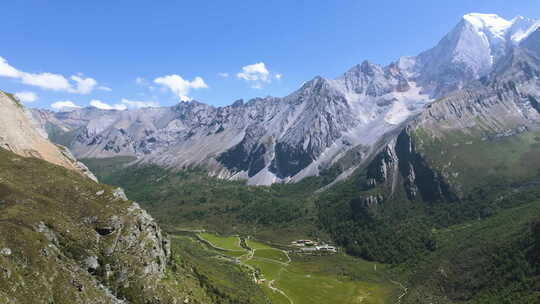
{"x": 20, "y": 134}
{"x": 67, "y": 239}
{"x": 495, "y": 260}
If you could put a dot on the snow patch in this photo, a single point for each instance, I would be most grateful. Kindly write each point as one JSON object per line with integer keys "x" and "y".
{"x": 523, "y": 33}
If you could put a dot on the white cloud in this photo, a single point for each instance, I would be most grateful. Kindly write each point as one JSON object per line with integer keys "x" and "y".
{"x": 26, "y": 96}
{"x": 180, "y": 86}
{"x": 83, "y": 85}
{"x": 124, "y": 104}
{"x": 105, "y": 106}
{"x": 139, "y": 104}
{"x": 257, "y": 74}
{"x": 254, "y": 72}
{"x": 224, "y": 75}
{"x": 64, "y": 105}
{"x": 48, "y": 81}
{"x": 8, "y": 71}
{"x": 278, "y": 76}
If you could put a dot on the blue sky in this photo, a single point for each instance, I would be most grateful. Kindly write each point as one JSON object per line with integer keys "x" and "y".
{"x": 186, "y": 48}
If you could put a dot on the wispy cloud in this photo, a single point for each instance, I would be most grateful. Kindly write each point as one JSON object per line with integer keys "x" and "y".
{"x": 104, "y": 88}
{"x": 105, "y": 106}
{"x": 140, "y": 80}
{"x": 223, "y": 75}
{"x": 124, "y": 104}
{"x": 139, "y": 104}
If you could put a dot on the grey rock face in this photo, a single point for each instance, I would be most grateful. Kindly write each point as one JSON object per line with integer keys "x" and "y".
{"x": 383, "y": 167}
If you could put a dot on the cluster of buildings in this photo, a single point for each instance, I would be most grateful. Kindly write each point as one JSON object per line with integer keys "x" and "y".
{"x": 312, "y": 246}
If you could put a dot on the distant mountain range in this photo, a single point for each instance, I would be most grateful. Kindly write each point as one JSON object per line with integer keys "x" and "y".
{"x": 335, "y": 125}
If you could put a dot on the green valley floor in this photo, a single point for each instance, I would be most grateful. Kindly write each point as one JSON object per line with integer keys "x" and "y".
{"x": 286, "y": 276}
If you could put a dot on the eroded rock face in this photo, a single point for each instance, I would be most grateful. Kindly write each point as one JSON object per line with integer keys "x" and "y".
{"x": 131, "y": 239}
{"x": 383, "y": 168}
{"x": 419, "y": 177}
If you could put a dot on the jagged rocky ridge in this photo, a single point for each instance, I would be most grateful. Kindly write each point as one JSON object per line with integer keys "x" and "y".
{"x": 327, "y": 123}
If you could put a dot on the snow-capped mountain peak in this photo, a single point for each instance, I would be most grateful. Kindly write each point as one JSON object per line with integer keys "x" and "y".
{"x": 489, "y": 24}
{"x": 468, "y": 51}
{"x": 494, "y": 26}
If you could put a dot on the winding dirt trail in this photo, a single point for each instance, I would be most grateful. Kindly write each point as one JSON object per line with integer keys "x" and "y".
{"x": 403, "y": 288}
{"x": 270, "y": 284}
{"x": 275, "y": 289}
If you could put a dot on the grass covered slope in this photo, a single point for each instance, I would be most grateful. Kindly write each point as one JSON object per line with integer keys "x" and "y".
{"x": 496, "y": 260}
{"x": 469, "y": 161}
{"x": 67, "y": 239}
